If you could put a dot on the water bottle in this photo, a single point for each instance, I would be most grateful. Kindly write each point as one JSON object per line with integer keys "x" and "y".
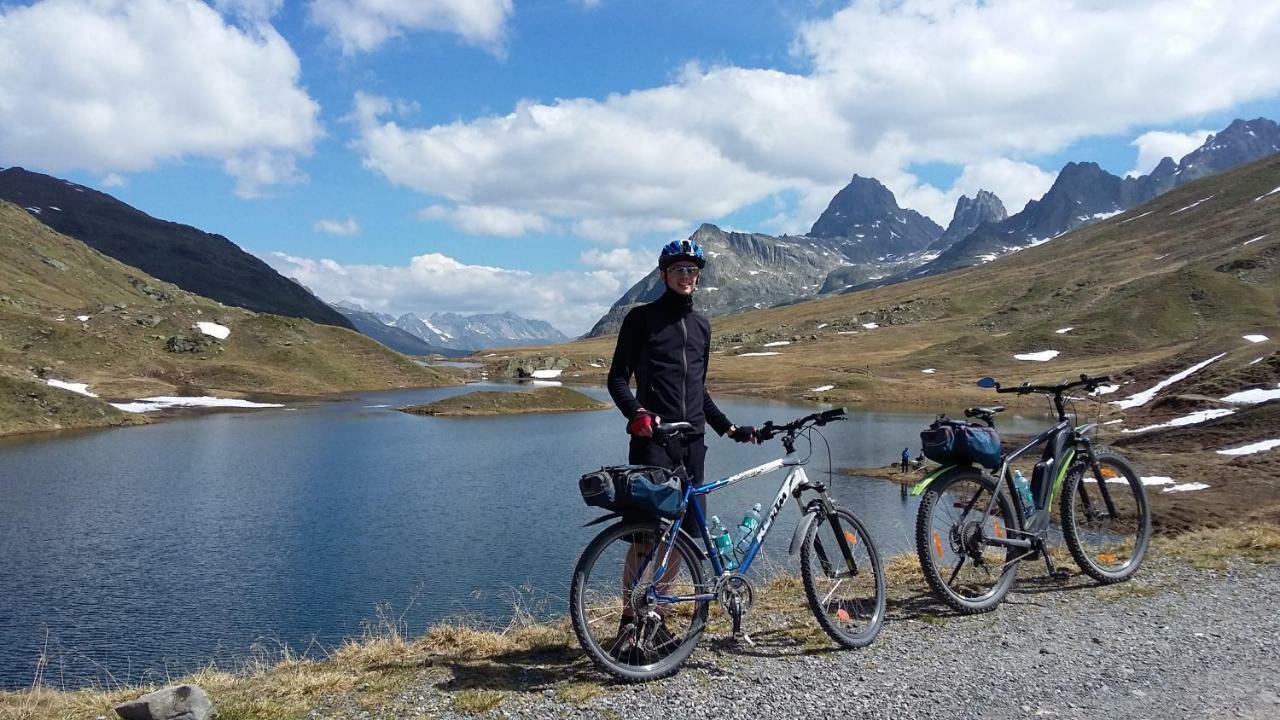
{"x": 1024, "y": 492}
{"x": 747, "y": 529}
{"x": 724, "y": 543}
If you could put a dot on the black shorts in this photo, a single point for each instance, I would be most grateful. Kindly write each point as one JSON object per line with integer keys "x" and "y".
{"x": 692, "y": 453}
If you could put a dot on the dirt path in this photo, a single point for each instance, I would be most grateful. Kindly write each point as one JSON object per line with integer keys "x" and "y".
{"x": 1174, "y": 643}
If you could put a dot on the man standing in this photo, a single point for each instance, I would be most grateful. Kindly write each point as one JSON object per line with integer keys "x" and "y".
{"x": 906, "y": 460}
{"x": 665, "y": 345}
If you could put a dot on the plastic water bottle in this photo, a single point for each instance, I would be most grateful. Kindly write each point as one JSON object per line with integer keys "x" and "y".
{"x": 1024, "y": 492}
{"x": 747, "y": 529}
{"x": 724, "y": 543}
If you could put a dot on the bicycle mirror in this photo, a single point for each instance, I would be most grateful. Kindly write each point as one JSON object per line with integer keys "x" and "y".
{"x": 988, "y": 382}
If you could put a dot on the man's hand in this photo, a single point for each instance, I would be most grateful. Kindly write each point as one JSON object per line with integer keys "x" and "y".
{"x": 642, "y": 423}
{"x": 744, "y": 434}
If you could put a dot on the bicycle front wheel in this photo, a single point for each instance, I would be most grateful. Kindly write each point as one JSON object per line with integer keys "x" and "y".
{"x": 843, "y": 578}
{"x": 953, "y": 534}
{"x": 1106, "y": 520}
{"x": 625, "y": 632}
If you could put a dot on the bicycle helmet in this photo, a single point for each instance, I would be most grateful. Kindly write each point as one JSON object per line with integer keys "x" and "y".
{"x": 681, "y": 250}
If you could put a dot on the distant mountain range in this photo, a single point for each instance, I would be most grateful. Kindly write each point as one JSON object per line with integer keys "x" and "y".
{"x": 196, "y": 261}
{"x": 450, "y": 333}
{"x": 1085, "y": 193}
{"x": 864, "y": 239}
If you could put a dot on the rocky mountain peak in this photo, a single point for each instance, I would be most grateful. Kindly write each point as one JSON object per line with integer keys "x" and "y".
{"x": 862, "y": 201}
{"x": 969, "y": 214}
{"x": 1240, "y": 142}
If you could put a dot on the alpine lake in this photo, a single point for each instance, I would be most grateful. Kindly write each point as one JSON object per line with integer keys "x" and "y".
{"x": 143, "y": 553}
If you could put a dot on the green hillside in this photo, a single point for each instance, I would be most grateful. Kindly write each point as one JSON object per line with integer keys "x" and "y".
{"x": 1138, "y": 290}
{"x": 139, "y": 339}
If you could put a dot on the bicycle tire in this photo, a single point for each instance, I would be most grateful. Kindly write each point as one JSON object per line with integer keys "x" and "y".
{"x": 813, "y": 547}
{"x": 931, "y": 545}
{"x": 1096, "y": 565}
{"x": 600, "y": 657}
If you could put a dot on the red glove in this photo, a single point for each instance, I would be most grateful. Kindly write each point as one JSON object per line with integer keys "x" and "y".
{"x": 642, "y": 423}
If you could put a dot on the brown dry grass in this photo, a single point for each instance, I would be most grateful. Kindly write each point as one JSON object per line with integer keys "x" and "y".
{"x": 370, "y": 671}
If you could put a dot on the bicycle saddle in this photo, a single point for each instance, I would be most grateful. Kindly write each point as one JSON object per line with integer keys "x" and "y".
{"x": 674, "y": 429}
{"x": 983, "y": 411}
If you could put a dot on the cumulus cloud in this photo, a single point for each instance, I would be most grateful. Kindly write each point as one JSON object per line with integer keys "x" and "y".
{"x": 342, "y": 228}
{"x": 125, "y": 85}
{"x": 1014, "y": 182}
{"x": 113, "y": 180}
{"x": 889, "y": 85}
{"x": 572, "y": 301}
{"x": 486, "y": 220}
{"x": 251, "y": 10}
{"x": 363, "y": 25}
{"x": 627, "y": 262}
{"x": 1156, "y": 145}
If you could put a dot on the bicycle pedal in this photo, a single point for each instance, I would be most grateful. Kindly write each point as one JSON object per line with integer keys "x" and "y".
{"x": 1060, "y": 574}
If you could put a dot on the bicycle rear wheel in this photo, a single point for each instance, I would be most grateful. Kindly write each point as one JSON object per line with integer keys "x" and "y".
{"x": 952, "y": 528}
{"x": 625, "y": 634}
{"x": 846, "y": 592}
{"x": 1107, "y": 534}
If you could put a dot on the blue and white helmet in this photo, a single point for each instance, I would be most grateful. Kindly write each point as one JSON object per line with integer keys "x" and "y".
{"x": 681, "y": 250}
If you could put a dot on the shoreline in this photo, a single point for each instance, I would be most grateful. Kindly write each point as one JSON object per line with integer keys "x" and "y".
{"x": 464, "y": 668}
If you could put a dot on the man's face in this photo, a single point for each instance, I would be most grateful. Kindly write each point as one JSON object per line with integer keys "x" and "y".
{"x": 681, "y": 277}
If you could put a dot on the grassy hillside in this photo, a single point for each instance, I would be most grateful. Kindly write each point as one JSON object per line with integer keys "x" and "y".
{"x": 139, "y": 338}
{"x": 1137, "y": 290}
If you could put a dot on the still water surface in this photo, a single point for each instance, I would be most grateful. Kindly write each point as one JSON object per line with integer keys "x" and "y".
{"x": 147, "y": 550}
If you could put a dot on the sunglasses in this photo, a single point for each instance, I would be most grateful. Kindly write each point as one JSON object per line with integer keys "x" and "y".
{"x": 687, "y": 270}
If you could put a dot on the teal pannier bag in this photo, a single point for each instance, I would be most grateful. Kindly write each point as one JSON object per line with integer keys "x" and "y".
{"x": 645, "y": 490}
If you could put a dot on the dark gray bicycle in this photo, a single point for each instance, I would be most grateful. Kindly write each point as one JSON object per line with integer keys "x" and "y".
{"x": 971, "y": 534}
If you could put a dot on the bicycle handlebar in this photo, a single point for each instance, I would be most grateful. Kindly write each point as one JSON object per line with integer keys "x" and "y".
{"x": 770, "y": 430}
{"x": 1091, "y": 383}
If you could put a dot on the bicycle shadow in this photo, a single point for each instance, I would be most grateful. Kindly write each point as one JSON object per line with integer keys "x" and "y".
{"x": 773, "y": 635}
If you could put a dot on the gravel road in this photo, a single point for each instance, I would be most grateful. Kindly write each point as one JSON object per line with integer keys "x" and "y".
{"x": 1174, "y": 643}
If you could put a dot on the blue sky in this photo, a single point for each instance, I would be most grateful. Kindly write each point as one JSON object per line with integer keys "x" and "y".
{"x": 491, "y": 155}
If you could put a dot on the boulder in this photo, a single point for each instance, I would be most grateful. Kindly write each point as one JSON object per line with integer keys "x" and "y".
{"x": 181, "y": 344}
{"x": 180, "y": 702}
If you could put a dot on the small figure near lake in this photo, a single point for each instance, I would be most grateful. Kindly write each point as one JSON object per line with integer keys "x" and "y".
{"x": 906, "y": 460}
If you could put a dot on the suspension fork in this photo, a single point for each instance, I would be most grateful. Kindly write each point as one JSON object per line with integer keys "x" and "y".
{"x": 827, "y": 508}
{"x": 1102, "y": 482}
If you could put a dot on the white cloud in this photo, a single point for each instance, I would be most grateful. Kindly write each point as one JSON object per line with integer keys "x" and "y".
{"x": 572, "y": 301}
{"x": 113, "y": 180}
{"x": 363, "y": 25}
{"x": 624, "y": 261}
{"x": 262, "y": 168}
{"x": 1014, "y": 182}
{"x": 251, "y": 10}
{"x": 1156, "y": 145}
{"x": 890, "y": 85}
{"x": 342, "y": 228}
{"x": 126, "y": 85}
{"x": 486, "y": 220}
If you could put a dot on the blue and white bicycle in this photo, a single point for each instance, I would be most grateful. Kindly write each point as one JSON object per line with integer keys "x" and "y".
{"x": 640, "y": 594}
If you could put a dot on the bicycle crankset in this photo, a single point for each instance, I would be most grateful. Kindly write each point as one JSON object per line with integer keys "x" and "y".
{"x": 735, "y": 594}
{"x": 735, "y": 591}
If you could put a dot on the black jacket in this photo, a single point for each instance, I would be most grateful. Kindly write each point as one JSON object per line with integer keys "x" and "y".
{"x": 666, "y": 345}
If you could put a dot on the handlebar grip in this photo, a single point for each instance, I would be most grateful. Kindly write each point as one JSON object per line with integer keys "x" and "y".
{"x": 832, "y": 414}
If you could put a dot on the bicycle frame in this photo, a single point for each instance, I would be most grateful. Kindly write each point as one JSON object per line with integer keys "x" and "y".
{"x": 1036, "y": 524}
{"x": 796, "y": 478}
